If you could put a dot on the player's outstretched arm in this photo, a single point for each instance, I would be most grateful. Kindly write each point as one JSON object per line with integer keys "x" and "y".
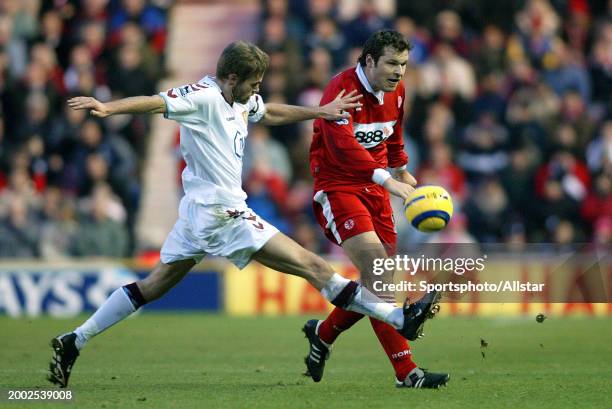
{"x": 133, "y": 105}
{"x": 280, "y": 114}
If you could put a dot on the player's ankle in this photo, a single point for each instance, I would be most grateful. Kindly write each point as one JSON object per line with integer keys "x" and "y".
{"x": 327, "y": 343}
{"x": 80, "y": 340}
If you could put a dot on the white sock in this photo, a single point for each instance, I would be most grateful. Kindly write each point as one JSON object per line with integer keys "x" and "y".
{"x": 117, "y": 307}
{"x": 365, "y": 302}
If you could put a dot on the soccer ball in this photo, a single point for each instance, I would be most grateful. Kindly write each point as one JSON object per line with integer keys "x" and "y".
{"x": 429, "y": 208}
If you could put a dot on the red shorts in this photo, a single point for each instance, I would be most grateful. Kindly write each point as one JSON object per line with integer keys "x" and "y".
{"x": 343, "y": 215}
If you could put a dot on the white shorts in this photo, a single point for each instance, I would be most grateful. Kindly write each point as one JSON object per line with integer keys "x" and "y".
{"x": 232, "y": 232}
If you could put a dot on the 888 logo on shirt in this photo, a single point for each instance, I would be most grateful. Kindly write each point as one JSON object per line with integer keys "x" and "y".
{"x": 370, "y": 135}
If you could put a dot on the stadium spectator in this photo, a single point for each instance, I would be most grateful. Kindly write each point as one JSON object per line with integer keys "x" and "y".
{"x": 599, "y": 150}
{"x": 483, "y": 149}
{"x": 440, "y": 170}
{"x": 99, "y": 234}
{"x": 417, "y": 37}
{"x": 19, "y": 233}
{"x": 150, "y": 18}
{"x": 488, "y": 211}
{"x": 490, "y": 56}
{"x": 280, "y": 8}
{"x": 367, "y": 22}
{"x": 563, "y": 71}
{"x": 15, "y": 47}
{"x": 262, "y": 147}
{"x": 326, "y": 35}
{"x": 58, "y": 225}
{"x": 601, "y": 69}
{"x": 597, "y": 205}
{"x": 127, "y": 76}
{"x": 450, "y": 31}
{"x": 517, "y": 180}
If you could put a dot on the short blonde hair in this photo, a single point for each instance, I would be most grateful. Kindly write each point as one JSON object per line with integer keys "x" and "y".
{"x": 243, "y": 59}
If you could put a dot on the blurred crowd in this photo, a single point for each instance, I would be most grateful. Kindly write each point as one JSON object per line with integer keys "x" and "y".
{"x": 69, "y": 184}
{"x": 509, "y": 106}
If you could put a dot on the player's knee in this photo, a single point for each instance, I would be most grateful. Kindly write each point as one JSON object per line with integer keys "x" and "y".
{"x": 316, "y": 265}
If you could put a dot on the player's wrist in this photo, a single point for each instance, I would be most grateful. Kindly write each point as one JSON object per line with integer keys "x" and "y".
{"x": 380, "y": 176}
{"x": 319, "y": 113}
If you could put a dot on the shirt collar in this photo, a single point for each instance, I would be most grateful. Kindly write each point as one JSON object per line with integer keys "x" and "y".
{"x": 210, "y": 81}
{"x": 380, "y": 95}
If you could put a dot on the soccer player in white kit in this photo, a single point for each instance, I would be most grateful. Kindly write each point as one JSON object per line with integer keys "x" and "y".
{"x": 213, "y": 215}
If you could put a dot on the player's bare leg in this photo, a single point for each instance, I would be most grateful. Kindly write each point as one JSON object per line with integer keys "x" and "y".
{"x": 163, "y": 278}
{"x": 283, "y": 254}
{"x": 363, "y": 249}
{"x": 120, "y": 304}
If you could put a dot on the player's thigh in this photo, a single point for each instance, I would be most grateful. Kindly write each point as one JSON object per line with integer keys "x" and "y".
{"x": 341, "y": 215}
{"x": 379, "y": 205}
{"x": 163, "y": 278}
{"x": 283, "y": 254}
{"x": 363, "y": 249}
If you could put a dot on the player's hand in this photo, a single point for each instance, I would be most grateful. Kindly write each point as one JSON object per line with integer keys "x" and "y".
{"x": 398, "y": 188}
{"x": 405, "y": 177}
{"x": 96, "y": 107}
{"x": 336, "y": 110}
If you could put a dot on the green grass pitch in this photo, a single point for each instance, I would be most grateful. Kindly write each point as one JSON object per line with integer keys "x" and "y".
{"x": 216, "y": 361}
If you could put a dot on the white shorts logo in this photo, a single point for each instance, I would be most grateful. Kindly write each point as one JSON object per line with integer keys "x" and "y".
{"x": 349, "y": 224}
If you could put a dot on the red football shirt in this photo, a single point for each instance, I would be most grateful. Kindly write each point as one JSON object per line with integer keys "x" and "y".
{"x": 344, "y": 154}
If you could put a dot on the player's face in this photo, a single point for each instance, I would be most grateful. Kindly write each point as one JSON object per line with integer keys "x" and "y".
{"x": 388, "y": 71}
{"x": 247, "y": 88}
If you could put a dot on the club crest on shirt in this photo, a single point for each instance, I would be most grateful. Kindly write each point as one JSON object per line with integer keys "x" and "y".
{"x": 349, "y": 224}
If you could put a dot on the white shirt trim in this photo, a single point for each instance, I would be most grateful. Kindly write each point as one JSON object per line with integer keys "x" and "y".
{"x": 380, "y": 176}
{"x": 380, "y": 95}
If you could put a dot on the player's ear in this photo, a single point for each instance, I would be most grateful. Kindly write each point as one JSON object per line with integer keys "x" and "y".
{"x": 370, "y": 61}
{"x": 232, "y": 80}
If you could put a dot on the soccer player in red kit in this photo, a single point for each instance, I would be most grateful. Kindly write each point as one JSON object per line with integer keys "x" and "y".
{"x": 349, "y": 160}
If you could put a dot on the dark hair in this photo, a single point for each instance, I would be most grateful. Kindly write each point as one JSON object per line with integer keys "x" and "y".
{"x": 375, "y": 45}
{"x": 243, "y": 59}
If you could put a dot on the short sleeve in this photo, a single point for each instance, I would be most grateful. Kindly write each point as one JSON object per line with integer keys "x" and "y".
{"x": 256, "y": 108}
{"x": 188, "y": 103}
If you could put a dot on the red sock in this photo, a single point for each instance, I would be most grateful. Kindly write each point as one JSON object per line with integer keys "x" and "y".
{"x": 396, "y": 347}
{"x": 339, "y": 320}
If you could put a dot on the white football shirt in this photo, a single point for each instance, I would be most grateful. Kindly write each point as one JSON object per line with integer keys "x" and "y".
{"x": 213, "y": 134}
